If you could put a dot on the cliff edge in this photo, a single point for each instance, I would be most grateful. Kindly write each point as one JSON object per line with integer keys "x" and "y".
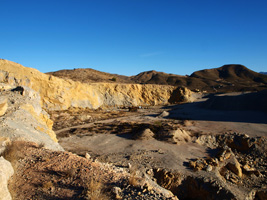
{"x": 60, "y": 94}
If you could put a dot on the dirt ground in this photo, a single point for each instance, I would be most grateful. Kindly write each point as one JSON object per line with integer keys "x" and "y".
{"x": 122, "y": 138}
{"x": 190, "y": 151}
{"x": 112, "y": 137}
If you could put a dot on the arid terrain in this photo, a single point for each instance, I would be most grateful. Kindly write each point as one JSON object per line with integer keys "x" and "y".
{"x": 228, "y": 78}
{"x": 94, "y": 135}
{"x": 176, "y": 139}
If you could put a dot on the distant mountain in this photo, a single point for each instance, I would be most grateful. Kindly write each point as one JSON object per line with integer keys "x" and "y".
{"x": 228, "y": 78}
{"x": 265, "y": 73}
{"x": 222, "y": 79}
{"x": 229, "y": 73}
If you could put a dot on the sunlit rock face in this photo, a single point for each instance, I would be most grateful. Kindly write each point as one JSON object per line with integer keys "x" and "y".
{"x": 59, "y": 94}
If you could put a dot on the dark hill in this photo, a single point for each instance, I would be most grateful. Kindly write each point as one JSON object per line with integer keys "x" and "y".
{"x": 230, "y": 73}
{"x": 232, "y": 78}
{"x": 228, "y": 78}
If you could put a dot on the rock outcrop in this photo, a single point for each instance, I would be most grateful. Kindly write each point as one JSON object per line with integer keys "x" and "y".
{"x": 25, "y": 119}
{"x": 6, "y": 171}
{"x": 3, "y": 106}
{"x": 58, "y": 94}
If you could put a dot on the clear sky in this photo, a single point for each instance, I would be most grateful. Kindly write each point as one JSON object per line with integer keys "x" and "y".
{"x": 131, "y": 36}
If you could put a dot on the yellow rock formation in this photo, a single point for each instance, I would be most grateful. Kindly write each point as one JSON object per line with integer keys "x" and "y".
{"x": 45, "y": 123}
{"x": 58, "y": 94}
{"x": 3, "y": 106}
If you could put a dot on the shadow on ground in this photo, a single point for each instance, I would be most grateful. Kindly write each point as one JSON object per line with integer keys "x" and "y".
{"x": 247, "y": 108}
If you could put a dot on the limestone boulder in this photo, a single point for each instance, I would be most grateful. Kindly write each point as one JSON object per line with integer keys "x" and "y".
{"x": 234, "y": 166}
{"x": 6, "y": 171}
{"x": 164, "y": 114}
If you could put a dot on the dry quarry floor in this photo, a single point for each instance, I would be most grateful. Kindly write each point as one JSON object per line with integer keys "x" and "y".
{"x": 120, "y": 137}
{"x": 111, "y": 140}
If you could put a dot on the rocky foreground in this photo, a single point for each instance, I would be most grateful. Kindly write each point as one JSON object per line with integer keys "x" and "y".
{"x": 123, "y": 141}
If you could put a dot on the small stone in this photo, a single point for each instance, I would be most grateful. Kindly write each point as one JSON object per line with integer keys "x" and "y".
{"x": 234, "y": 180}
{"x": 234, "y": 167}
{"x": 118, "y": 192}
{"x": 87, "y": 156}
{"x": 149, "y": 171}
{"x": 192, "y": 164}
{"x": 209, "y": 168}
{"x": 160, "y": 151}
{"x": 164, "y": 114}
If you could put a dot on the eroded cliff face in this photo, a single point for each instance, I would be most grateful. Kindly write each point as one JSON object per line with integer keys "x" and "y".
{"x": 59, "y": 94}
{"x": 24, "y": 119}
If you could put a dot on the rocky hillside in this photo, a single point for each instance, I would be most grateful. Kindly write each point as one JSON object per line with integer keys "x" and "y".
{"x": 91, "y": 76}
{"x": 26, "y": 136}
{"x": 228, "y": 78}
{"x": 159, "y": 158}
{"x": 58, "y": 94}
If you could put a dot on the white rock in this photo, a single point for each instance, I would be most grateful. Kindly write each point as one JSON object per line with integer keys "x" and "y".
{"x": 87, "y": 156}
{"x": 3, "y": 106}
{"x": 164, "y": 114}
{"x": 6, "y": 171}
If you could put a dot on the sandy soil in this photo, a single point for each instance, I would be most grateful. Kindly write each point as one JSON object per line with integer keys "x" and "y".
{"x": 111, "y": 140}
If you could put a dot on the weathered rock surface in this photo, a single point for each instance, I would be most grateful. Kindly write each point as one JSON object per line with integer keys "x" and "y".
{"x": 174, "y": 136}
{"x": 234, "y": 166}
{"x": 6, "y": 171}
{"x": 164, "y": 114}
{"x": 3, "y": 106}
{"x": 26, "y": 120}
{"x": 4, "y": 141}
{"x": 145, "y": 134}
{"x": 58, "y": 94}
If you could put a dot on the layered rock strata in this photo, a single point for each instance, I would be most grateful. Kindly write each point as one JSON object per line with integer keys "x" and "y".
{"x": 61, "y": 94}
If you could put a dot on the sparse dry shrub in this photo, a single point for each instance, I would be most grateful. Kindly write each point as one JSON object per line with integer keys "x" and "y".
{"x": 158, "y": 123}
{"x": 95, "y": 190}
{"x": 48, "y": 185}
{"x": 13, "y": 152}
{"x": 71, "y": 172}
{"x": 41, "y": 145}
{"x": 114, "y": 79}
{"x": 133, "y": 179}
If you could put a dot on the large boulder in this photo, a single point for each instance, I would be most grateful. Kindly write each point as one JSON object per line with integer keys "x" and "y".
{"x": 6, "y": 171}
{"x": 181, "y": 95}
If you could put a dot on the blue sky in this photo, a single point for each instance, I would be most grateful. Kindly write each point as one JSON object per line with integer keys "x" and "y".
{"x": 131, "y": 36}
